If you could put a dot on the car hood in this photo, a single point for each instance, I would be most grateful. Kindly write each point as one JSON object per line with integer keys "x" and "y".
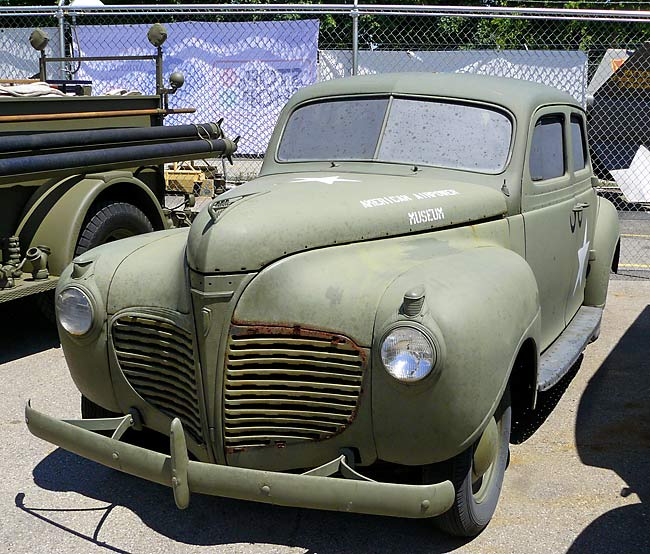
{"x": 278, "y": 215}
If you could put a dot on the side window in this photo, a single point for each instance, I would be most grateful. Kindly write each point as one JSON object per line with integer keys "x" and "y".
{"x": 547, "y": 148}
{"x": 578, "y": 143}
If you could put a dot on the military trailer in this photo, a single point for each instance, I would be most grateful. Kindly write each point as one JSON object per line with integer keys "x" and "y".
{"x": 359, "y": 328}
{"x": 77, "y": 171}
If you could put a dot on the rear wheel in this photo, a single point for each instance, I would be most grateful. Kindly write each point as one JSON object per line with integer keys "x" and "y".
{"x": 111, "y": 220}
{"x": 477, "y": 475}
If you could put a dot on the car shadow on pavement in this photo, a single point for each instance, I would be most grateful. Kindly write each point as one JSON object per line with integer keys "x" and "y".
{"x": 613, "y": 432}
{"x": 24, "y": 330}
{"x": 221, "y": 521}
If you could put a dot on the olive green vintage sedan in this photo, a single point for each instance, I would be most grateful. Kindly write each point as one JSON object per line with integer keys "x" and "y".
{"x": 358, "y": 328}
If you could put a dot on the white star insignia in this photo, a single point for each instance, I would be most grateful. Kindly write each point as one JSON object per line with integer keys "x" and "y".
{"x": 326, "y": 180}
{"x": 583, "y": 253}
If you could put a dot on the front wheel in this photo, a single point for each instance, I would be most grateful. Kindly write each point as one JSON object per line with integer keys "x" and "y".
{"x": 477, "y": 475}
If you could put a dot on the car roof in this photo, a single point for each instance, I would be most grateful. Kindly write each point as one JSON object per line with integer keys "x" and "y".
{"x": 519, "y": 96}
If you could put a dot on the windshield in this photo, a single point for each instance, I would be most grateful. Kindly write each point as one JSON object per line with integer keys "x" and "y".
{"x": 426, "y": 132}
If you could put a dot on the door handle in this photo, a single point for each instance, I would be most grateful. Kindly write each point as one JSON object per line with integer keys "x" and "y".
{"x": 580, "y": 206}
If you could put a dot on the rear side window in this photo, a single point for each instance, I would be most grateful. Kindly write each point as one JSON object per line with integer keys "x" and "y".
{"x": 547, "y": 148}
{"x": 578, "y": 143}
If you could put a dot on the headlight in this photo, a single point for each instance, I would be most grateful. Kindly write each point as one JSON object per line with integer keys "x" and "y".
{"x": 408, "y": 354}
{"x": 74, "y": 311}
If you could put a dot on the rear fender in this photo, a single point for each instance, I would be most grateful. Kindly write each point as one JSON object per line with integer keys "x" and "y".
{"x": 56, "y": 217}
{"x": 605, "y": 245}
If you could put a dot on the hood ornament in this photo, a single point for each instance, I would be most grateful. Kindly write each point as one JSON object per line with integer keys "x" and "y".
{"x": 217, "y": 207}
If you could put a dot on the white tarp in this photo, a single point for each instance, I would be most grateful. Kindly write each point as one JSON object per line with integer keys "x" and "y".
{"x": 612, "y": 59}
{"x": 243, "y": 72}
{"x": 29, "y": 90}
{"x": 635, "y": 181}
{"x": 562, "y": 69}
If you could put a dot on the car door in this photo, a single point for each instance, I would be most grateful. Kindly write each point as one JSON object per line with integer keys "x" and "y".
{"x": 583, "y": 217}
{"x": 548, "y": 201}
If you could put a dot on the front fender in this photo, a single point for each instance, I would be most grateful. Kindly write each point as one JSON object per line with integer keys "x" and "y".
{"x": 354, "y": 289}
{"x": 145, "y": 276}
{"x": 482, "y": 303}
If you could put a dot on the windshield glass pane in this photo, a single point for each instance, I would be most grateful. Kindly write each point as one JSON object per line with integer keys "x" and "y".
{"x": 421, "y": 132}
{"x": 338, "y": 130}
{"x": 442, "y": 134}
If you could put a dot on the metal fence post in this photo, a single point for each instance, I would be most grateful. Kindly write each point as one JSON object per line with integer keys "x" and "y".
{"x": 60, "y": 15}
{"x": 355, "y": 37}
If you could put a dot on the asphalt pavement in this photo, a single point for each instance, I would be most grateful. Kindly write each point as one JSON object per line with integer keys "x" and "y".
{"x": 579, "y": 484}
{"x": 635, "y": 243}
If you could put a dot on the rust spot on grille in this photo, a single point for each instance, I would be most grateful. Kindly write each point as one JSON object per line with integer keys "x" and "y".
{"x": 239, "y": 328}
{"x": 288, "y": 384}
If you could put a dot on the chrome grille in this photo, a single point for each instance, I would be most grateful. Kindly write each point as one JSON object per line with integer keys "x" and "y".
{"x": 285, "y": 385}
{"x": 156, "y": 357}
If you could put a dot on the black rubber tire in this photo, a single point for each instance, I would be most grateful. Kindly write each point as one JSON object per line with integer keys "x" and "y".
{"x": 90, "y": 410}
{"x": 468, "y": 517}
{"x": 111, "y": 220}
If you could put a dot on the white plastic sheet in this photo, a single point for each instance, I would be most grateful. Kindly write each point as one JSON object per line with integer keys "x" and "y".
{"x": 635, "y": 180}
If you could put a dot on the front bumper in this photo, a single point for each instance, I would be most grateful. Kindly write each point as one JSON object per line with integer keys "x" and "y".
{"x": 313, "y": 489}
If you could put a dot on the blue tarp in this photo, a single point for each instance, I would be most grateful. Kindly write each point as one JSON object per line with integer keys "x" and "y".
{"x": 18, "y": 60}
{"x": 244, "y": 72}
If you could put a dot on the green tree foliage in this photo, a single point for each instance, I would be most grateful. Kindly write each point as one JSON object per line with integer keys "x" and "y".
{"x": 411, "y": 32}
{"x": 545, "y": 33}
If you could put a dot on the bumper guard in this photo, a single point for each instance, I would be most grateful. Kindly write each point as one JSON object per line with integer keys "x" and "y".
{"x": 312, "y": 489}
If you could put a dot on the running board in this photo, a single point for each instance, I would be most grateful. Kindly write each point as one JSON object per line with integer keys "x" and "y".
{"x": 558, "y": 358}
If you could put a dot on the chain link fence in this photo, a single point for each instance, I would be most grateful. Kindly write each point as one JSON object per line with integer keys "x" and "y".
{"x": 242, "y": 62}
